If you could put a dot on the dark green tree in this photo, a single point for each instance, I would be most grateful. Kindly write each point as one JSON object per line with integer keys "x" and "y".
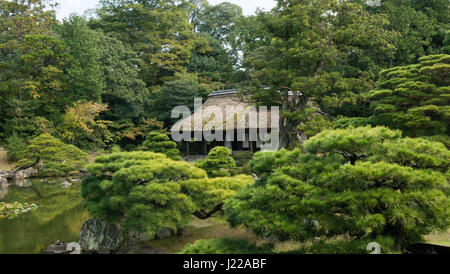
{"x": 159, "y": 31}
{"x": 17, "y": 20}
{"x": 321, "y": 53}
{"x": 420, "y": 27}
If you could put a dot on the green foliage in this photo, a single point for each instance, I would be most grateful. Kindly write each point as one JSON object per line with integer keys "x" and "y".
{"x": 16, "y": 147}
{"x": 225, "y": 246}
{"x": 243, "y": 159}
{"x": 56, "y": 158}
{"x": 352, "y": 143}
{"x": 385, "y": 192}
{"x": 327, "y": 51}
{"x": 416, "y": 153}
{"x": 13, "y": 210}
{"x": 178, "y": 92}
{"x": 219, "y": 163}
{"x": 346, "y": 247}
{"x": 147, "y": 191}
{"x": 420, "y": 27}
{"x": 414, "y": 98}
{"x": 81, "y": 126}
{"x": 208, "y": 193}
{"x": 163, "y": 23}
{"x": 159, "y": 142}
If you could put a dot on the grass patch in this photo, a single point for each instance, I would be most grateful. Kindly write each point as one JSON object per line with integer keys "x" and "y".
{"x": 214, "y": 228}
{"x": 217, "y": 228}
{"x": 439, "y": 238}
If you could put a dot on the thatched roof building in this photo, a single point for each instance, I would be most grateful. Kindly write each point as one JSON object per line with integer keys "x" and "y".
{"x": 225, "y": 110}
{"x": 234, "y": 111}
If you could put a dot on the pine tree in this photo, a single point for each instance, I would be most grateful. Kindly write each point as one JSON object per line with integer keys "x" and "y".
{"x": 146, "y": 191}
{"x": 53, "y": 157}
{"x": 415, "y": 98}
{"x": 377, "y": 189}
{"x": 159, "y": 142}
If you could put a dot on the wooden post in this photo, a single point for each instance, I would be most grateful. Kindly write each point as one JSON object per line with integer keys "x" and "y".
{"x": 187, "y": 149}
{"x": 205, "y": 148}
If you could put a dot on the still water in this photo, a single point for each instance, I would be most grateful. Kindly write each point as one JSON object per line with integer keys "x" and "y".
{"x": 59, "y": 217}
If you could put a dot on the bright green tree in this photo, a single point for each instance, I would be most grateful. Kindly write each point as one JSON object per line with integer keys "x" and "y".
{"x": 103, "y": 69}
{"x": 146, "y": 191}
{"x": 159, "y": 142}
{"x": 52, "y": 157}
{"x": 415, "y": 98}
{"x": 383, "y": 196}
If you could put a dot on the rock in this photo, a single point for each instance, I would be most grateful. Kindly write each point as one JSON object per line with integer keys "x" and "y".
{"x": 9, "y": 174}
{"x": 84, "y": 171}
{"x": 30, "y": 173}
{"x": 57, "y": 248}
{"x": 100, "y": 237}
{"x": 75, "y": 180}
{"x": 66, "y": 184}
{"x": 19, "y": 176}
{"x": 3, "y": 182}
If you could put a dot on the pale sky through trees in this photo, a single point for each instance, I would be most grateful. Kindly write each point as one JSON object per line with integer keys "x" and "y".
{"x": 79, "y": 6}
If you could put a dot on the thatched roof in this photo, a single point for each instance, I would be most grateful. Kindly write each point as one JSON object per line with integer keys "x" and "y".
{"x": 236, "y": 112}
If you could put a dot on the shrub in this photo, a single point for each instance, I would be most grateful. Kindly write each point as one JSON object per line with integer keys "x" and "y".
{"x": 55, "y": 158}
{"x": 13, "y": 210}
{"x": 160, "y": 143}
{"x": 219, "y": 163}
{"x": 226, "y": 246}
{"x": 243, "y": 161}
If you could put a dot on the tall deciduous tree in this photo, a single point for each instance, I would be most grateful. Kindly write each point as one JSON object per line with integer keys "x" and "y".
{"x": 159, "y": 31}
{"x": 17, "y": 20}
{"x": 325, "y": 50}
{"x": 420, "y": 27}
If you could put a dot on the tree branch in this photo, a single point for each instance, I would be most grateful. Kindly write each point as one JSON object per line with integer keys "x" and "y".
{"x": 205, "y": 215}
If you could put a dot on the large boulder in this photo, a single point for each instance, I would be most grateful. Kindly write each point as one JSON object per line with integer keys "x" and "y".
{"x": 100, "y": 237}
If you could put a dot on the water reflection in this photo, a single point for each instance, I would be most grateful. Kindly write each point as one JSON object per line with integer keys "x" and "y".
{"x": 59, "y": 217}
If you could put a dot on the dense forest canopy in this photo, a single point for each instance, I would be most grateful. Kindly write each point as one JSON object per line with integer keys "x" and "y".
{"x": 136, "y": 60}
